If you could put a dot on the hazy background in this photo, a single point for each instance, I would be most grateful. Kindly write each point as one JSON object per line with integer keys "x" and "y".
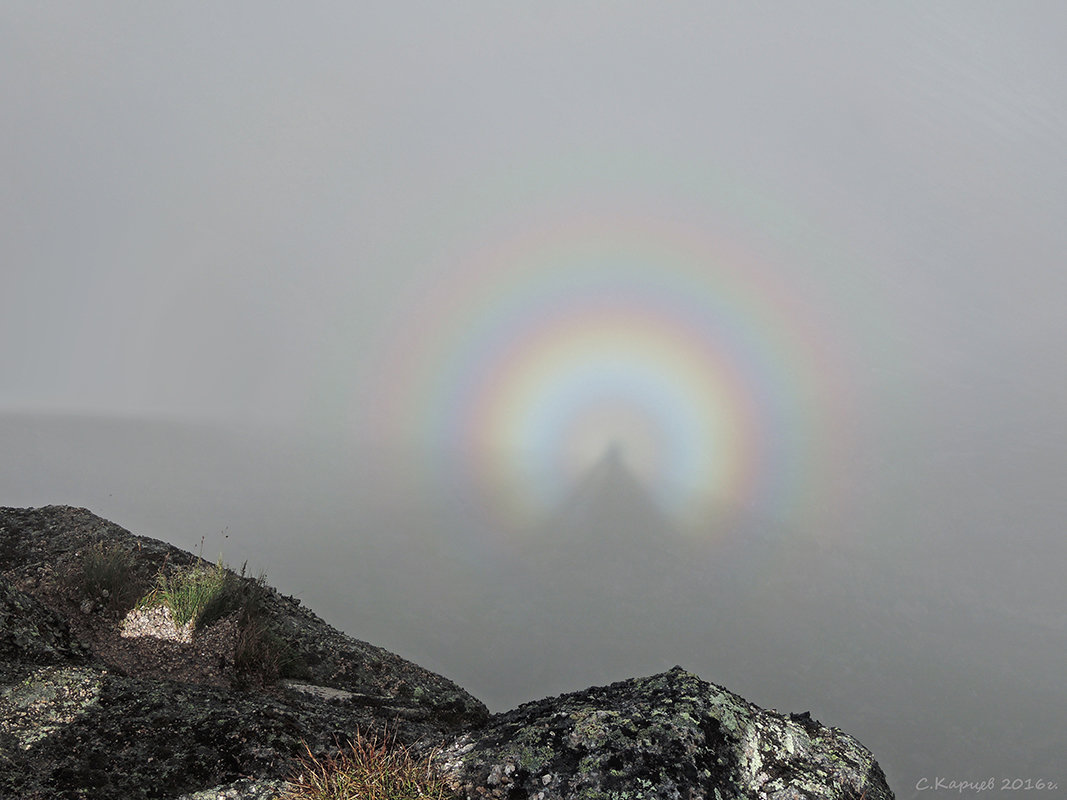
{"x": 552, "y": 344}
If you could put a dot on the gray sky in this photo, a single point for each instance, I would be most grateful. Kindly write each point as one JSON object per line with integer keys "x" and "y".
{"x": 304, "y": 217}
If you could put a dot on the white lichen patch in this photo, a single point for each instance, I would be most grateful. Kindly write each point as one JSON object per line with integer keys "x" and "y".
{"x": 751, "y": 761}
{"x": 47, "y": 700}
{"x": 244, "y": 788}
{"x": 795, "y": 740}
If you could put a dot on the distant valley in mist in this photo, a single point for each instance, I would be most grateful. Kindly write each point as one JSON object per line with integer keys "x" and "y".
{"x": 942, "y": 658}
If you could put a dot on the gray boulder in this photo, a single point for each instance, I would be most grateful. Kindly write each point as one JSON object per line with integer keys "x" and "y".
{"x": 669, "y": 736}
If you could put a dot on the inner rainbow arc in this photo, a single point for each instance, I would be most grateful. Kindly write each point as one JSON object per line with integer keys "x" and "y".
{"x": 563, "y": 395}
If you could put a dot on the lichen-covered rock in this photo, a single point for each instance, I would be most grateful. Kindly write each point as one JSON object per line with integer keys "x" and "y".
{"x": 31, "y": 632}
{"x": 70, "y": 731}
{"x": 672, "y": 736}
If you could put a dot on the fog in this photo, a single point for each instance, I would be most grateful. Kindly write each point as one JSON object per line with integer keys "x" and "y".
{"x": 942, "y": 658}
{"x": 552, "y": 345}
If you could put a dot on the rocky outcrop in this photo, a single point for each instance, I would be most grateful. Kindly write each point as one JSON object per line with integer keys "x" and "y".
{"x": 83, "y": 718}
{"x": 669, "y": 736}
{"x": 83, "y": 712}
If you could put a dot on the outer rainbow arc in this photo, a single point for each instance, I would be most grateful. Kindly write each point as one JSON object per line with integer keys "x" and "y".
{"x": 715, "y": 371}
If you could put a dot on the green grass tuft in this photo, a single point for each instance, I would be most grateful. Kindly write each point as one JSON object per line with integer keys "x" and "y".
{"x": 204, "y": 594}
{"x": 198, "y": 594}
{"x": 370, "y": 769}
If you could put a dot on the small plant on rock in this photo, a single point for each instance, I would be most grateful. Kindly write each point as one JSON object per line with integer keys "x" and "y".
{"x": 371, "y": 768}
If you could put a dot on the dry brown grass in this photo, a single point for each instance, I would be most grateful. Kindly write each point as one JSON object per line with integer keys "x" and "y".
{"x": 369, "y": 768}
{"x": 107, "y": 573}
